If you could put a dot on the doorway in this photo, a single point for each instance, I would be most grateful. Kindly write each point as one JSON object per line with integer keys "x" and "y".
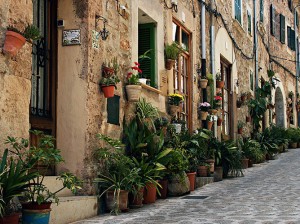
{"x": 279, "y": 108}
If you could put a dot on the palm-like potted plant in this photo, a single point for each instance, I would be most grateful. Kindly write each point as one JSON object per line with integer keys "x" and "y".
{"x": 15, "y": 39}
{"x": 172, "y": 52}
{"x": 37, "y": 198}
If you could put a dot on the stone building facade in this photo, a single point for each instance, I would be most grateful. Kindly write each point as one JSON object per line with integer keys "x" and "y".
{"x": 56, "y": 89}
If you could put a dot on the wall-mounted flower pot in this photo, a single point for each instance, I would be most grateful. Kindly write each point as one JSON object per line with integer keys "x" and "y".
{"x": 240, "y": 131}
{"x": 203, "y": 115}
{"x": 13, "y": 43}
{"x": 133, "y": 92}
{"x": 213, "y": 111}
{"x": 220, "y": 84}
{"x": 239, "y": 103}
{"x": 108, "y": 91}
{"x": 248, "y": 118}
{"x": 169, "y": 64}
{"x": 203, "y": 83}
{"x": 107, "y": 71}
{"x": 209, "y": 124}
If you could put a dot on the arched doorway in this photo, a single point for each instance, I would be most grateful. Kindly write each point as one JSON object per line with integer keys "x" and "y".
{"x": 279, "y": 108}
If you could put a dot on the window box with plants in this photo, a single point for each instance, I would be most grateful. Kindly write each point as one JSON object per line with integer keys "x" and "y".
{"x": 133, "y": 87}
{"x": 204, "y": 107}
{"x": 15, "y": 39}
{"x": 37, "y": 198}
{"x": 219, "y": 82}
{"x": 172, "y": 52}
{"x": 174, "y": 101}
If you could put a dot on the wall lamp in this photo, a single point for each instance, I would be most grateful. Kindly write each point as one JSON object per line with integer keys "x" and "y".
{"x": 104, "y": 32}
{"x": 121, "y": 9}
{"x": 173, "y": 5}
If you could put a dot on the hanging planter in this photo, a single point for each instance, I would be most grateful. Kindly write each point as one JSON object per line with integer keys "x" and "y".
{"x": 209, "y": 125}
{"x": 133, "y": 92}
{"x": 108, "y": 91}
{"x": 203, "y": 115}
{"x": 13, "y": 43}
{"x": 203, "y": 83}
{"x": 220, "y": 84}
{"x": 170, "y": 64}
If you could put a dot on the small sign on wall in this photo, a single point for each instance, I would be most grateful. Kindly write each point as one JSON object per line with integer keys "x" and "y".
{"x": 71, "y": 37}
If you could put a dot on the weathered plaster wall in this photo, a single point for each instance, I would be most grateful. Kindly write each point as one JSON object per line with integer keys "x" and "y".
{"x": 15, "y": 73}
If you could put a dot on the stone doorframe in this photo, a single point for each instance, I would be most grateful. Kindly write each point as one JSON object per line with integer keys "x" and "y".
{"x": 279, "y": 99}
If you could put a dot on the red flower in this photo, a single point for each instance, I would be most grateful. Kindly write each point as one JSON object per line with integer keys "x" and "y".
{"x": 139, "y": 70}
{"x": 135, "y": 68}
{"x": 129, "y": 75}
{"x": 218, "y": 98}
{"x": 136, "y": 63}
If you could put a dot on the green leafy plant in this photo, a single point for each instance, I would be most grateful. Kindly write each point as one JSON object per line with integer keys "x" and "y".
{"x": 109, "y": 81}
{"x": 251, "y": 149}
{"x": 175, "y": 99}
{"x": 240, "y": 124}
{"x": 172, "y": 51}
{"x": 218, "y": 76}
{"x": 31, "y": 32}
{"x": 145, "y": 110}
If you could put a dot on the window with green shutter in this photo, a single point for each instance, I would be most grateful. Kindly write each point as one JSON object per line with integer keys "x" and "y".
{"x": 261, "y": 10}
{"x": 272, "y": 20}
{"x": 146, "y": 42}
{"x": 238, "y": 10}
{"x": 291, "y": 38}
{"x": 249, "y": 23}
{"x": 113, "y": 110}
{"x": 282, "y": 28}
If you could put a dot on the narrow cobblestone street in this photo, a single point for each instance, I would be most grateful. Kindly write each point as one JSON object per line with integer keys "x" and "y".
{"x": 269, "y": 193}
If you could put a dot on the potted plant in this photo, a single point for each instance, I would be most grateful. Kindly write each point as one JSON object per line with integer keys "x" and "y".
{"x": 37, "y": 198}
{"x": 219, "y": 83}
{"x": 209, "y": 121}
{"x": 174, "y": 100}
{"x": 204, "y": 110}
{"x": 251, "y": 150}
{"x": 243, "y": 97}
{"x": 172, "y": 52}
{"x": 15, "y": 39}
{"x": 133, "y": 87}
{"x": 240, "y": 127}
{"x": 217, "y": 102}
{"x": 108, "y": 85}
{"x": 14, "y": 179}
{"x": 117, "y": 178}
{"x": 248, "y": 118}
{"x": 203, "y": 80}
{"x": 110, "y": 68}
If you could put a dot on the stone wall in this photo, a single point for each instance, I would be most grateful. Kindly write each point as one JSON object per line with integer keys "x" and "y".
{"x": 15, "y": 73}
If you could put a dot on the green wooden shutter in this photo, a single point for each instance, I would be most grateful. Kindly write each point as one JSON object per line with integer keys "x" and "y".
{"x": 297, "y": 19}
{"x": 113, "y": 110}
{"x": 282, "y": 28}
{"x": 289, "y": 36}
{"x": 292, "y": 32}
{"x": 238, "y": 11}
{"x": 272, "y": 19}
{"x": 147, "y": 42}
{"x": 261, "y": 10}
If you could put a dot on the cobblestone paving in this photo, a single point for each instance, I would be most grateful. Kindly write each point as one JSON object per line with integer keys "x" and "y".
{"x": 268, "y": 193}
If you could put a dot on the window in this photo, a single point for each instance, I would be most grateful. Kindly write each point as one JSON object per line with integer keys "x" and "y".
{"x": 291, "y": 38}
{"x": 146, "y": 36}
{"x": 290, "y": 4}
{"x": 181, "y": 72}
{"x": 261, "y": 10}
{"x": 272, "y": 20}
{"x": 226, "y": 77}
{"x": 249, "y": 23}
{"x": 282, "y": 28}
{"x": 238, "y": 10}
{"x": 251, "y": 81}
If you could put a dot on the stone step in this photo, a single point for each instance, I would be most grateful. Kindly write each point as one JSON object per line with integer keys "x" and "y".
{"x": 201, "y": 181}
{"x": 53, "y": 185}
{"x": 72, "y": 209}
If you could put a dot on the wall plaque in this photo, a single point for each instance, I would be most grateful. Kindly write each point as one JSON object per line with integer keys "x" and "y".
{"x": 71, "y": 37}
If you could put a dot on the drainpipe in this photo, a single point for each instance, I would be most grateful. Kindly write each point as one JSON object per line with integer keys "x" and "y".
{"x": 203, "y": 49}
{"x": 296, "y": 53}
{"x": 255, "y": 43}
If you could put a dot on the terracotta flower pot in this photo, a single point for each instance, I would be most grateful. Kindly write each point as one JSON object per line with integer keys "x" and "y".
{"x": 13, "y": 43}
{"x": 220, "y": 84}
{"x": 202, "y": 171}
{"x": 203, "y": 83}
{"x": 192, "y": 179}
{"x": 164, "y": 189}
{"x": 244, "y": 163}
{"x": 169, "y": 64}
{"x": 248, "y": 118}
{"x": 10, "y": 219}
{"x": 173, "y": 110}
{"x": 243, "y": 98}
{"x": 136, "y": 201}
{"x": 123, "y": 200}
{"x": 149, "y": 193}
{"x": 209, "y": 125}
{"x": 211, "y": 163}
{"x": 108, "y": 91}
{"x": 133, "y": 92}
{"x": 240, "y": 131}
{"x": 203, "y": 115}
